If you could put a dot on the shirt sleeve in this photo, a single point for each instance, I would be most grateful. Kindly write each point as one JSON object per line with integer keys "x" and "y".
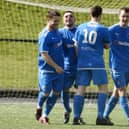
{"x": 76, "y": 36}
{"x": 44, "y": 43}
{"x": 106, "y": 36}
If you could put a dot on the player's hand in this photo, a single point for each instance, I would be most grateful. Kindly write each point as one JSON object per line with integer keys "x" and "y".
{"x": 59, "y": 69}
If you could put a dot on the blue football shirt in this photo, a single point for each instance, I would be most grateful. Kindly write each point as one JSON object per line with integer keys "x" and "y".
{"x": 70, "y": 58}
{"x": 119, "y": 51}
{"x": 91, "y": 37}
{"x": 51, "y": 42}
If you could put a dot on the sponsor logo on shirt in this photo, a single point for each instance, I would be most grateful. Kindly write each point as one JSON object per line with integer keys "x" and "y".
{"x": 121, "y": 43}
{"x": 53, "y": 38}
{"x": 58, "y": 44}
{"x": 117, "y": 34}
{"x": 87, "y": 49}
{"x": 70, "y": 45}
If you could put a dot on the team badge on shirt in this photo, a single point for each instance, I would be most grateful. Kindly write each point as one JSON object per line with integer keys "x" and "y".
{"x": 117, "y": 34}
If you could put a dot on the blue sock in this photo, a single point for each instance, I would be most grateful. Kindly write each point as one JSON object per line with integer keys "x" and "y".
{"x": 41, "y": 99}
{"x": 101, "y": 104}
{"x": 50, "y": 104}
{"x": 65, "y": 101}
{"x": 124, "y": 105}
{"x": 110, "y": 106}
{"x": 78, "y": 105}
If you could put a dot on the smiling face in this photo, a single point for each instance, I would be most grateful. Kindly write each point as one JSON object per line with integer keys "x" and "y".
{"x": 69, "y": 19}
{"x": 124, "y": 17}
{"x": 53, "y": 18}
{"x": 53, "y": 23}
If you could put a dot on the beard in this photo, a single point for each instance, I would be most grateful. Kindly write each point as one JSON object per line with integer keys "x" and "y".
{"x": 70, "y": 25}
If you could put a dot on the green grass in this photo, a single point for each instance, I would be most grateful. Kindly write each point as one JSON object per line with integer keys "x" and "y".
{"x": 86, "y": 3}
{"x": 18, "y": 65}
{"x": 20, "y": 21}
{"x": 24, "y": 21}
{"x": 21, "y": 116}
{"x": 18, "y": 61}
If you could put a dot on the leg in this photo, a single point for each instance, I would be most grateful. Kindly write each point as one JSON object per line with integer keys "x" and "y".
{"x": 50, "y": 103}
{"x": 100, "y": 79}
{"x": 102, "y": 96}
{"x": 41, "y": 99}
{"x": 121, "y": 79}
{"x": 123, "y": 101}
{"x": 78, "y": 105}
{"x": 65, "y": 101}
{"x": 68, "y": 82}
{"x": 45, "y": 88}
{"x": 43, "y": 94}
{"x": 111, "y": 103}
{"x": 82, "y": 80}
{"x": 55, "y": 92}
{"x": 49, "y": 106}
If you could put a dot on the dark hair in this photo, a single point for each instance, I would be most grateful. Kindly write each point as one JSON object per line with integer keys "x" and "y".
{"x": 52, "y": 13}
{"x": 126, "y": 9}
{"x": 96, "y": 11}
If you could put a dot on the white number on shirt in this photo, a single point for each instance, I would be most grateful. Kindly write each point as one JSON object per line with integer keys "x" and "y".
{"x": 91, "y": 38}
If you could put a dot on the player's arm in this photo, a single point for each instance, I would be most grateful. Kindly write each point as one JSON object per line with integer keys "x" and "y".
{"x": 50, "y": 61}
{"x": 106, "y": 38}
{"x": 75, "y": 40}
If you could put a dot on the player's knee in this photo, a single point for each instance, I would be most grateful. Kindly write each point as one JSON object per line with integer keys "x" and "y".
{"x": 115, "y": 92}
{"x": 122, "y": 91}
{"x": 103, "y": 88}
{"x": 56, "y": 93}
{"x": 81, "y": 90}
{"x": 46, "y": 94}
{"x": 66, "y": 90}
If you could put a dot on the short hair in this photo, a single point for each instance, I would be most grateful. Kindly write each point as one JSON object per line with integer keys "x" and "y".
{"x": 52, "y": 13}
{"x": 69, "y": 11}
{"x": 96, "y": 11}
{"x": 126, "y": 9}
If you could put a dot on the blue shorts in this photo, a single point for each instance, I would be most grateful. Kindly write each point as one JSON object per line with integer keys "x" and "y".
{"x": 50, "y": 81}
{"x": 84, "y": 77}
{"x": 120, "y": 78}
{"x": 69, "y": 79}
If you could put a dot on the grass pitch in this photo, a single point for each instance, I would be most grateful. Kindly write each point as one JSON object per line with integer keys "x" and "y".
{"x": 20, "y": 115}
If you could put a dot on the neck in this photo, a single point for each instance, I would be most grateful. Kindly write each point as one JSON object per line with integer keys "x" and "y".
{"x": 123, "y": 25}
{"x": 70, "y": 27}
{"x": 50, "y": 28}
{"x": 95, "y": 19}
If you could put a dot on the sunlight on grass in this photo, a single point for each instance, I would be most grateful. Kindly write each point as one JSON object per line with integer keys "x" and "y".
{"x": 21, "y": 116}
